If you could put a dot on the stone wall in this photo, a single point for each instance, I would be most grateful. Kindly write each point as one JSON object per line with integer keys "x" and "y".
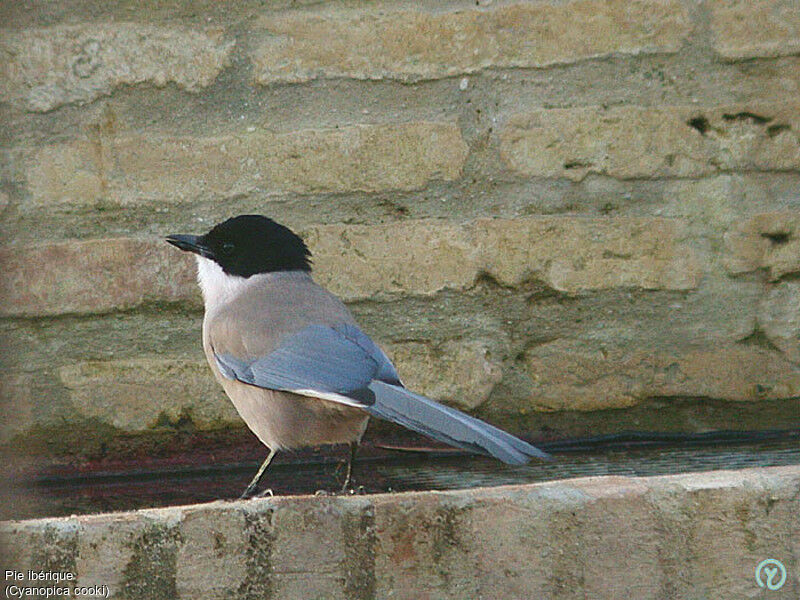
{"x": 578, "y": 215}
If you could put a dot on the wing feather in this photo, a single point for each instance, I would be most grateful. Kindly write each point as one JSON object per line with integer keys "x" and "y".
{"x": 335, "y": 363}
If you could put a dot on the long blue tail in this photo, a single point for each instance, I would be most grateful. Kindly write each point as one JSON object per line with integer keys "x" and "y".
{"x": 423, "y": 415}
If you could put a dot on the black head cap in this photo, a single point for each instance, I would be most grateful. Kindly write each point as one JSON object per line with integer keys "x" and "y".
{"x": 247, "y": 245}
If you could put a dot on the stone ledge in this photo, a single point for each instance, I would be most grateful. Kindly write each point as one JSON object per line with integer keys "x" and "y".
{"x": 694, "y": 535}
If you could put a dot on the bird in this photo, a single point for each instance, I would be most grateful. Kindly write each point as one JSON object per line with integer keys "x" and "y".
{"x": 294, "y": 362}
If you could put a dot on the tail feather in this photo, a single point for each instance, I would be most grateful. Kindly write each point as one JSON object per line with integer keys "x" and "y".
{"x": 445, "y": 424}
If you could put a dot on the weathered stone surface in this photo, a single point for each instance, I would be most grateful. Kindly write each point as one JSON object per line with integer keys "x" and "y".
{"x": 358, "y": 158}
{"x": 135, "y": 395}
{"x": 92, "y": 277}
{"x": 769, "y": 241}
{"x": 52, "y": 66}
{"x": 596, "y": 537}
{"x": 636, "y": 141}
{"x": 710, "y": 204}
{"x": 568, "y": 254}
{"x": 415, "y": 257}
{"x": 312, "y": 537}
{"x": 16, "y": 405}
{"x": 459, "y": 372}
{"x": 139, "y": 394}
{"x": 384, "y": 42}
{"x": 753, "y": 28}
{"x": 96, "y": 544}
{"x": 565, "y": 376}
{"x": 357, "y": 262}
{"x": 219, "y": 539}
{"x": 779, "y": 318}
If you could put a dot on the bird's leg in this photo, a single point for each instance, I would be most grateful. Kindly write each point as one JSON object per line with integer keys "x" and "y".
{"x": 349, "y": 473}
{"x": 254, "y": 483}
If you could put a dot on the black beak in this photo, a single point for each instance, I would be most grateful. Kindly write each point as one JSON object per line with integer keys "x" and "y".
{"x": 190, "y": 243}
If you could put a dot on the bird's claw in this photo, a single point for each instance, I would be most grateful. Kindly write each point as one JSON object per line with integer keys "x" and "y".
{"x": 348, "y": 491}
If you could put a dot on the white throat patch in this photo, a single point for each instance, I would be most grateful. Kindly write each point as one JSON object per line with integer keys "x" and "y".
{"x": 217, "y": 286}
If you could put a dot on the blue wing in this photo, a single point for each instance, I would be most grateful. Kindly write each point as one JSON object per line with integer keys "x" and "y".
{"x": 337, "y": 363}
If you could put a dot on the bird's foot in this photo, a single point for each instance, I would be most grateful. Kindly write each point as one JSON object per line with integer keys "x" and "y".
{"x": 349, "y": 491}
{"x": 252, "y": 493}
{"x": 249, "y": 492}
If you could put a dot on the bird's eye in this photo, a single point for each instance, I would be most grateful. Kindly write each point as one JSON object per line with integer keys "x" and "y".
{"x": 228, "y": 248}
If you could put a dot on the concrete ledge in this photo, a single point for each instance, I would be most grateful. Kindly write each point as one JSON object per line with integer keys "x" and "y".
{"x": 682, "y": 536}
